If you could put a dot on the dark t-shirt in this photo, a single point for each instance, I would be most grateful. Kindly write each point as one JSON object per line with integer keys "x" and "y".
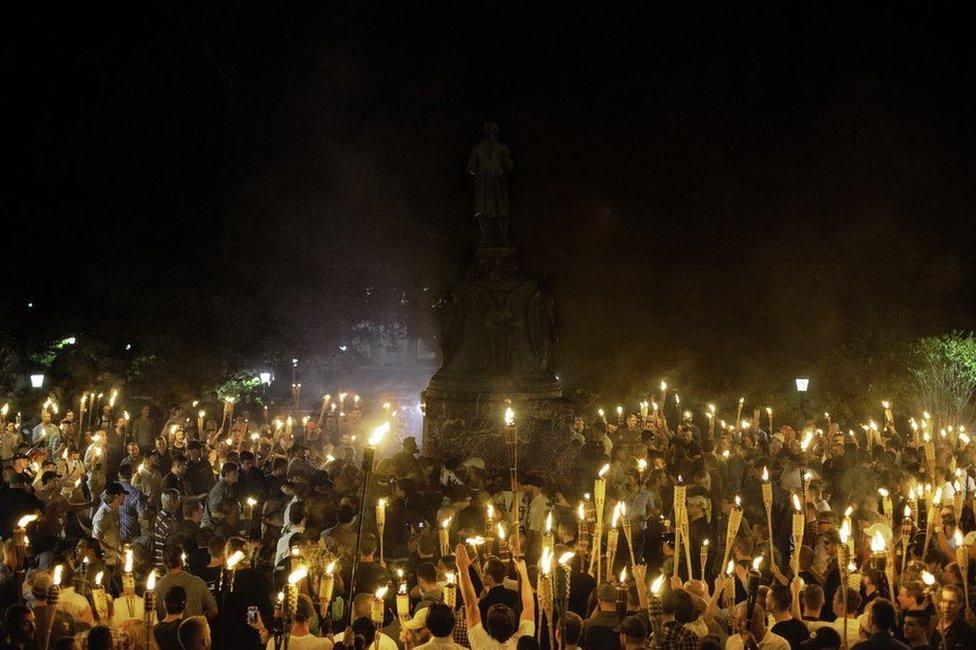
{"x": 167, "y": 635}
{"x": 793, "y": 631}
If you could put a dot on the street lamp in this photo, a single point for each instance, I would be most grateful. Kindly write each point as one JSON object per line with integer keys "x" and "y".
{"x": 802, "y": 385}
{"x": 265, "y": 378}
{"x": 37, "y": 381}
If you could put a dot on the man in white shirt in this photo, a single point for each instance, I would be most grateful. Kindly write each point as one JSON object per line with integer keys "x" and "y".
{"x": 499, "y": 631}
{"x": 851, "y": 620}
{"x": 296, "y": 519}
{"x": 45, "y": 430}
{"x": 72, "y": 602}
{"x": 362, "y": 607}
{"x": 768, "y": 640}
{"x": 300, "y": 637}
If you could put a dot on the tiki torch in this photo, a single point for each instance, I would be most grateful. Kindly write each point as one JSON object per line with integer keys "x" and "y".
{"x": 613, "y": 535}
{"x": 402, "y": 598}
{"x": 767, "y": 494}
{"x": 369, "y": 455}
{"x": 799, "y": 524}
{"x": 962, "y": 559}
{"x": 655, "y": 607}
{"x": 544, "y": 591}
{"x": 732, "y": 528}
{"x": 53, "y": 593}
{"x": 376, "y": 613}
{"x": 149, "y": 602}
{"x": 99, "y": 599}
{"x": 381, "y": 522}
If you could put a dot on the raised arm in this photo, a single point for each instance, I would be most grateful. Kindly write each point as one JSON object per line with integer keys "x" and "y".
{"x": 472, "y": 615}
{"x": 525, "y": 588}
{"x": 796, "y": 586}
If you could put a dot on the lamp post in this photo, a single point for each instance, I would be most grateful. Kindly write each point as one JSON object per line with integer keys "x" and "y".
{"x": 802, "y": 386}
{"x": 37, "y": 380}
{"x": 369, "y": 455}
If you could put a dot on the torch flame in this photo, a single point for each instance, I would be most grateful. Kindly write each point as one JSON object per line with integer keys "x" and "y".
{"x": 234, "y": 559}
{"x": 377, "y": 436}
{"x": 56, "y": 579}
{"x": 501, "y": 531}
{"x": 730, "y": 567}
{"x": 623, "y": 575}
{"x": 616, "y": 515}
{"x": 603, "y": 470}
{"x": 295, "y": 577}
{"x": 26, "y": 519}
{"x": 98, "y": 577}
{"x": 878, "y": 543}
{"x": 765, "y": 474}
{"x": 928, "y": 578}
{"x": 549, "y": 522}
{"x": 381, "y": 592}
{"x": 796, "y": 503}
{"x": 657, "y": 584}
{"x": 845, "y": 532}
{"x": 566, "y": 557}
{"x": 128, "y": 560}
{"x": 151, "y": 580}
{"x": 883, "y": 492}
{"x": 957, "y": 537}
{"x": 756, "y": 562}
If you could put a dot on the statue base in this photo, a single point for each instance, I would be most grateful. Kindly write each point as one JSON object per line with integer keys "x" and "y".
{"x": 496, "y": 343}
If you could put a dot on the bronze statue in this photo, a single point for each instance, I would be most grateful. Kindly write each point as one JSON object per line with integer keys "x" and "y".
{"x": 489, "y": 164}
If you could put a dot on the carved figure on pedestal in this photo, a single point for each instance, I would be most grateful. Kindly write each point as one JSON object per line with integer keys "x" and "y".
{"x": 498, "y": 322}
{"x": 490, "y": 164}
{"x": 541, "y": 322}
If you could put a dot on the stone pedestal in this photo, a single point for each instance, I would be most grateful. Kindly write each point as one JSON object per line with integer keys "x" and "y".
{"x": 496, "y": 342}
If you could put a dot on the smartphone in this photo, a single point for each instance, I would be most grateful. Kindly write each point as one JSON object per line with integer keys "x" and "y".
{"x": 252, "y": 615}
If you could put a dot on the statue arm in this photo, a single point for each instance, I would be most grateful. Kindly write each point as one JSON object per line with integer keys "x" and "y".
{"x": 507, "y": 164}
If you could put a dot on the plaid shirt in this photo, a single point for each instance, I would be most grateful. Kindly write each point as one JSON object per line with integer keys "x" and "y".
{"x": 461, "y": 628}
{"x": 675, "y": 636}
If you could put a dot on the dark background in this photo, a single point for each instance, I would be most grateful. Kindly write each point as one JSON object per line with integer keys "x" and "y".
{"x": 725, "y": 195}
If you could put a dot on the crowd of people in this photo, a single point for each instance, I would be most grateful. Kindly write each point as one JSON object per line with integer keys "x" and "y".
{"x": 254, "y": 532}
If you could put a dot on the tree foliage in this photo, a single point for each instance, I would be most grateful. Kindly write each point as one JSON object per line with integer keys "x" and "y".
{"x": 943, "y": 376}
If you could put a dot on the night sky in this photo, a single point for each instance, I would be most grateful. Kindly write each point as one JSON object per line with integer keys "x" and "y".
{"x": 712, "y": 192}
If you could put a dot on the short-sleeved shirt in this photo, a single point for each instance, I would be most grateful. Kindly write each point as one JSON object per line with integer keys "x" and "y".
{"x": 480, "y": 640}
{"x": 304, "y": 642}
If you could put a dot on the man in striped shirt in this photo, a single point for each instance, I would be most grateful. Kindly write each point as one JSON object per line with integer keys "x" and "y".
{"x": 165, "y": 527}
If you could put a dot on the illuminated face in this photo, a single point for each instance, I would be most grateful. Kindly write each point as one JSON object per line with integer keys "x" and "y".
{"x": 631, "y": 421}
{"x": 912, "y": 629}
{"x": 949, "y": 605}
{"x": 904, "y": 600}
